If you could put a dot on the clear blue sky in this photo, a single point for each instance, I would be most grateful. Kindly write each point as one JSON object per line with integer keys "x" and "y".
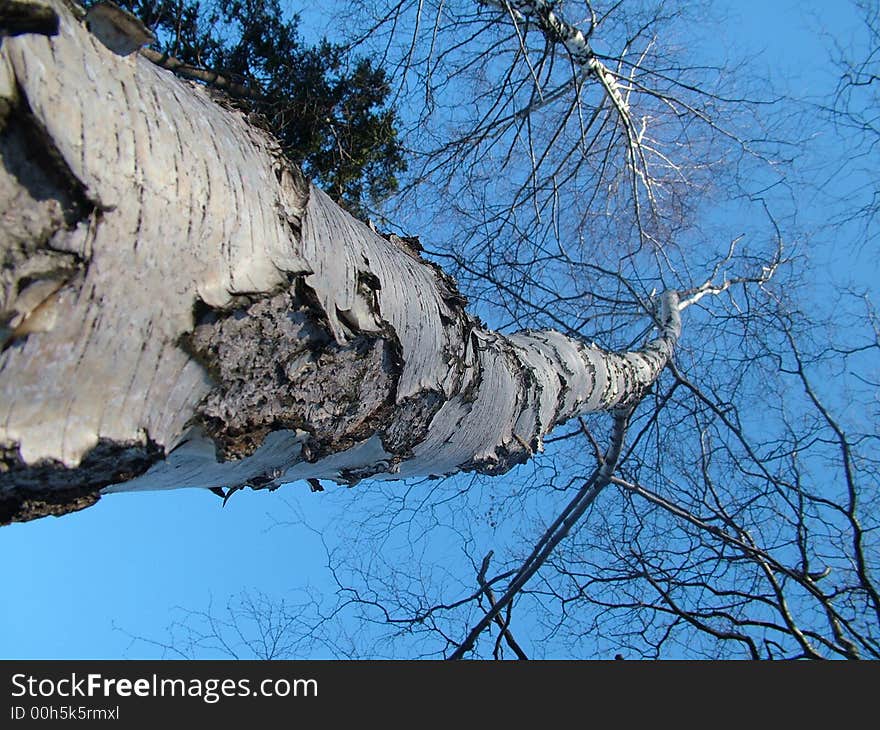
{"x": 75, "y": 587}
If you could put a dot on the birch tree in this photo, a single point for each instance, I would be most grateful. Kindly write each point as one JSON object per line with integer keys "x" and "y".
{"x": 182, "y": 309}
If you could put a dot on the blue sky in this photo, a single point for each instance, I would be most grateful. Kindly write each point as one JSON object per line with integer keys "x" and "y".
{"x": 81, "y": 585}
{"x": 76, "y": 585}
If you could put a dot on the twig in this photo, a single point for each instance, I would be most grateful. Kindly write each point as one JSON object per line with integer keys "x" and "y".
{"x": 503, "y": 625}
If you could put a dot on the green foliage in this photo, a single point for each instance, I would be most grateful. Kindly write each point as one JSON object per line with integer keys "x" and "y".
{"x": 328, "y": 110}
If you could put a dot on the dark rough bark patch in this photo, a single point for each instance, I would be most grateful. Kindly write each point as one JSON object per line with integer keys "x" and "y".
{"x": 267, "y": 480}
{"x": 410, "y": 423}
{"x": 18, "y": 17}
{"x": 351, "y": 477}
{"x": 28, "y": 492}
{"x": 33, "y": 160}
{"x": 119, "y": 30}
{"x": 39, "y": 196}
{"x": 506, "y": 457}
{"x": 277, "y": 366}
{"x": 291, "y": 209}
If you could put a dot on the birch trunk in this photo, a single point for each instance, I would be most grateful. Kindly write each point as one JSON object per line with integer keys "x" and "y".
{"x": 179, "y": 308}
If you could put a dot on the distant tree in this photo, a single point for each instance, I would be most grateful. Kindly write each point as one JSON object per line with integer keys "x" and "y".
{"x": 856, "y": 185}
{"x": 328, "y": 108}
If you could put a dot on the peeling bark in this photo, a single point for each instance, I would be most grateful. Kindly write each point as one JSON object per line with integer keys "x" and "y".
{"x": 220, "y": 323}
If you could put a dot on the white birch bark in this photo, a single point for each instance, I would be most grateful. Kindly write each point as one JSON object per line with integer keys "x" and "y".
{"x": 180, "y": 309}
